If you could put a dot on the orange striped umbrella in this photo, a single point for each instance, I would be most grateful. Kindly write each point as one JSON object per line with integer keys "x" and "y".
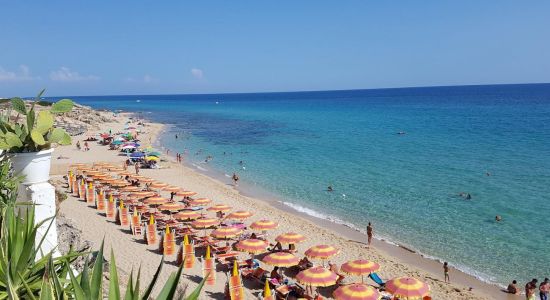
{"x": 264, "y": 225}
{"x": 317, "y": 276}
{"x": 124, "y": 173}
{"x": 252, "y": 246}
{"x": 130, "y": 189}
{"x": 239, "y": 215}
{"x": 359, "y": 267}
{"x": 219, "y": 207}
{"x": 226, "y": 232}
{"x": 407, "y": 288}
{"x": 200, "y": 202}
{"x": 205, "y": 223}
{"x": 155, "y": 200}
{"x": 356, "y": 291}
{"x": 119, "y": 183}
{"x": 145, "y": 180}
{"x": 173, "y": 206}
{"x": 143, "y": 194}
{"x": 290, "y": 238}
{"x": 113, "y": 168}
{"x": 281, "y": 259}
{"x": 171, "y": 188}
{"x": 321, "y": 251}
{"x": 185, "y": 193}
{"x": 137, "y": 176}
{"x": 77, "y": 165}
{"x": 187, "y": 215}
{"x": 158, "y": 185}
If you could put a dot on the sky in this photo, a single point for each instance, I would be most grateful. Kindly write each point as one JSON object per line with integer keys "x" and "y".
{"x": 107, "y": 47}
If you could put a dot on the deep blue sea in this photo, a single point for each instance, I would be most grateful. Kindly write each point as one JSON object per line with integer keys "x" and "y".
{"x": 492, "y": 142}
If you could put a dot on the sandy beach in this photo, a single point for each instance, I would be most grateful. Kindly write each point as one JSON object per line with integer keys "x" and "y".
{"x": 395, "y": 261}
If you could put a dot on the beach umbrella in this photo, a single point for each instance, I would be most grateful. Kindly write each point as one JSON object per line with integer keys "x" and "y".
{"x": 146, "y": 180}
{"x": 116, "y": 142}
{"x": 130, "y": 189}
{"x": 219, "y": 207}
{"x": 239, "y": 215}
{"x": 187, "y": 215}
{"x": 226, "y": 232}
{"x": 407, "y": 288}
{"x": 185, "y": 193}
{"x": 124, "y": 173}
{"x": 205, "y": 223}
{"x": 172, "y": 206}
{"x": 252, "y": 246}
{"x": 115, "y": 169}
{"x": 264, "y": 225}
{"x": 153, "y": 153}
{"x": 155, "y": 200}
{"x": 142, "y": 194}
{"x": 356, "y": 291}
{"x": 137, "y": 155}
{"x": 290, "y": 238}
{"x": 281, "y": 259}
{"x": 200, "y": 202}
{"x": 127, "y": 147}
{"x": 151, "y": 158}
{"x": 321, "y": 251}
{"x": 359, "y": 267}
{"x": 317, "y": 276}
{"x": 158, "y": 185}
{"x": 171, "y": 189}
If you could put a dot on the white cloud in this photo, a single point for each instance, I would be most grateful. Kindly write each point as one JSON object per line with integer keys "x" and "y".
{"x": 145, "y": 79}
{"x": 197, "y": 73}
{"x": 65, "y": 74}
{"x": 23, "y": 74}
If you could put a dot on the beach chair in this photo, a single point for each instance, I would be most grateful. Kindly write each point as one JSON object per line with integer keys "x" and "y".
{"x": 100, "y": 201}
{"x": 70, "y": 181}
{"x": 377, "y": 279}
{"x": 122, "y": 215}
{"x": 135, "y": 224}
{"x": 151, "y": 232}
{"x": 111, "y": 210}
{"x": 257, "y": 274}
{"x": 168, "y": 244}
{"x": 90, "y": 194}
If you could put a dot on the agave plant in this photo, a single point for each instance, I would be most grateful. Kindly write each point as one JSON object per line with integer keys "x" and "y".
{"x": 37, "y": 131}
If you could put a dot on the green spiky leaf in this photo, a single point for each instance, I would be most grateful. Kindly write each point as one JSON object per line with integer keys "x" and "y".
{"x": 169, "y": 289}
{"x": 56, "y": 135}
{"x": 66, "y": 140}
{"x": 39, "y": 95}
{"x": 96, "y": 282}
{"x": 13, "y": 140}
{"x": 31, "y": 116}
{"x": 62, "y": 106}
{"x": 18, "y": 105}
{"x": 44, "y": 122}
{"x": 37, "y": 137}
{"x": 114, "y": 290}
{"x": 3, "y": 144}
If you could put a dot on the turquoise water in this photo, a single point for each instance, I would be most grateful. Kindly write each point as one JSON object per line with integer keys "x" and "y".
{"x": 296, "y": 144}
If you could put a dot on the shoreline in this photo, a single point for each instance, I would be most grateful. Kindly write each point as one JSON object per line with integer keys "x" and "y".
{"x": 395, "y": 249}
{"x": 395, "y": 261}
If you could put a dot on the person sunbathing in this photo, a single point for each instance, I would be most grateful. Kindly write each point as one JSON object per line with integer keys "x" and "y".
{"x": 276, "y": 247}
{"x": 336, "y": 270}
{"x": 304, "y": 263}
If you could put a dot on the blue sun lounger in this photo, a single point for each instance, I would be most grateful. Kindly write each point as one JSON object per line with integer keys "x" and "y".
{"x": 376, "y": 279}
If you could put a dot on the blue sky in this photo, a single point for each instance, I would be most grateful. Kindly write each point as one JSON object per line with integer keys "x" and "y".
{"x": 148, "y": 47}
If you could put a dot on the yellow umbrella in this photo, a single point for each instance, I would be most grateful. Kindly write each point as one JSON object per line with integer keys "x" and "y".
{"x": 239, "y": 215}
{"x": 264, "y": 225}
{"x": 252, "y": 246}
{"x": 407, "y": 288}
{"x": 226, "y": 232}
{"x": 219, "y": 207}
{"x": 290, "y": 238}
{"x": 187, "y": 215}
{"x": 155, "y": 200}
{"x": 171, "y": 189}
{"x": 317, "y": 276}
{"x": 356, "y": 291}
{"x": 321, "y": 251}
{"x": 205, "y": 223}
{"x": 359, "y": 267}
{"x": 158, "y": 185}
{"x": 185, "y": 193}
{"x": 200, "y": 202}
{"x": 281, "y": 259}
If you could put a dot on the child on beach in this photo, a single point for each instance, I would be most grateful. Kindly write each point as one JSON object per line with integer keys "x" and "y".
{"x": 235, "y": 179}
{"x": 446, "y": 272}
{"x": 370, "y": 233}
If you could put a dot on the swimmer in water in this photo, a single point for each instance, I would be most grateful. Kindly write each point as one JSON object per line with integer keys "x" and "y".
{"x": 468, "y": 196}
{"x": 329, "y": 188}
{"x": 498, "y": 218}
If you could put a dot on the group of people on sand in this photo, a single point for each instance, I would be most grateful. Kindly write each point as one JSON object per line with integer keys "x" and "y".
{"x": 531, "y": 289}
{"x": 86, "y": 146}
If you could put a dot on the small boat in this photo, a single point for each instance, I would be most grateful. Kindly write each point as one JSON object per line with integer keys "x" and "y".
{"x": 138, "y": 100}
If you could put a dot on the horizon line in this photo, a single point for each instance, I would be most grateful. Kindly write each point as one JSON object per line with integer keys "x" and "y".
{"x": 306, "y": 91}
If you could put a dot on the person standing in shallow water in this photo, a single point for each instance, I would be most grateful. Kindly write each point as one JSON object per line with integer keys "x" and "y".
{"x": 446, "y": 272}
{"x": 370, "y": 233}
{"x": 235, "y": 178}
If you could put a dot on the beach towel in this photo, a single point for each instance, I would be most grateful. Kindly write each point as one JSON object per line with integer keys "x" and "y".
{"x": 376, "y": 279}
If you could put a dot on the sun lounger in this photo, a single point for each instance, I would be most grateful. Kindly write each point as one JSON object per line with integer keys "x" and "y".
{"x": 100, "y": 201}
{"x": 136, "y": 225}
{"x": 151, "y": 234}
{"x": 255, "y": 275}
{"x": 376, "y": 279}
{"x": 122, "y": 217}
{"x": 168, "y": 245}
{"x": 186, "y": 255}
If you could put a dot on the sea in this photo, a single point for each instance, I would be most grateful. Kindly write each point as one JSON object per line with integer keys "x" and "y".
{"x": 405, "y": 159}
